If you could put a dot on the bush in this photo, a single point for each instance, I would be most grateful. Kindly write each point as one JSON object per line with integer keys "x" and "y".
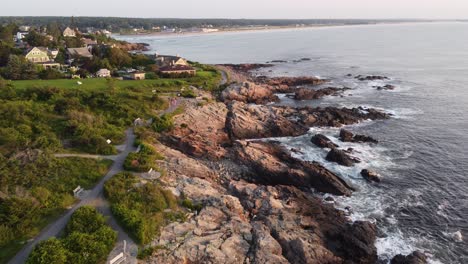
{"x": 141, "y": 210}
{"x": 51, "y": 74}
{"x": 163, "y": 123}
{"x": 88, "y": 239}
{"x": 188, "y": 93}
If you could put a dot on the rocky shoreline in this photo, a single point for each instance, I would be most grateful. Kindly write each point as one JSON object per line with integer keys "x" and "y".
{"x": 259, "y": 202}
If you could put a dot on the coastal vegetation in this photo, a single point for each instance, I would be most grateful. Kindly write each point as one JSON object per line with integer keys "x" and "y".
{"x": 42, "y": 118}
{"x": 87, "y": 240}
{"x": 141, "y": 207}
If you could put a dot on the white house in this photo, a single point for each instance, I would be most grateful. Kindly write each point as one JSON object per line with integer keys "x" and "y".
{"x": 21, "y": 35}
{"x": 103, "y": 73}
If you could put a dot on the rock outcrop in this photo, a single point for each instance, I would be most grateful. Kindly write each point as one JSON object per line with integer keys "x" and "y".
{"x": 307, "y": 230}
{"x": 199, "y": 131}
{"x": 341, "y": 157}
{"x": 348, "y": 136}
{"x": 414, "y": 258}
{"x": 248, "y": 92}
{"x": 370, "y": 77}
{"x": 311, "y": 94}
{"x": 385, "y": 87}
{"x": 323, "y": 142}
{"x": 291, "y": 81}
{"x": 256, "y": 121}
{"x": 272, "y": 164}
{"x": 259, "y": 121}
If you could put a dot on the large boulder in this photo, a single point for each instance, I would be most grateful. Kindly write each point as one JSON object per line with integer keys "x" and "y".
{"x": 416, "y": 257}
{"x": 272, "y": 164}
{"x": 371, "y": 175}
{"x": 341, "y": 157}
{"x": 323, "y": 142}
{"x": 248, "y": 92}
{"x": 348, "y": 136}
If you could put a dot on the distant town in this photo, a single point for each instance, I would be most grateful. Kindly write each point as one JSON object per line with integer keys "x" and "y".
{"x": 56, "y": 52}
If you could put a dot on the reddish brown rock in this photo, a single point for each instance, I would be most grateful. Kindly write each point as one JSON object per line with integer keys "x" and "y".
{"x": 256, "y": 121}
{"x": 271, "y": 164}
{"x": 311, "y": 94}
{"x": 199, "y": 131}
{"x": 248, "y": 92}
{"x": 341, "y": 157}
{"x": 348, "y": 136}
{"x": 323, "y": 142}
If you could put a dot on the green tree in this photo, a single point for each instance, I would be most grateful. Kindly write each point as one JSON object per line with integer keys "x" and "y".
{"x": 50, "y": 251}
{"x": 35, "y": 39}
{"x": 119, "y": 58}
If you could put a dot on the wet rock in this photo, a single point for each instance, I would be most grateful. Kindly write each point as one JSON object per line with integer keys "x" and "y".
{"x": 248, "y": 92}
{"x": 255, "y": 121}
{"x": 341, "y": 157}
{"x": 370, "y": 77}
{"x": 323, "y": 142}
{"x": 272, "y": 164}
{"x": 371, "y": 175}
{"x": 290, "y": 82}
{"x": 310, "y": 94}
{"x": 247, "y": 67}
{"x": 358, "y": 242}
{"x": 279, "y": 61}
{"x": 307, "y": 230}
{"x": 348, "y": 136}
{"x": 416, "y": 257}
{"x": 385, "y": 87}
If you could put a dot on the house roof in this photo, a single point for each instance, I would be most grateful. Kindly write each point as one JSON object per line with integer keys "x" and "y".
{"x": 80, "y": 52}
{"x": 176, "y": 68}
{"x": 88, "y": 41}
{"x": 43, "y": 49}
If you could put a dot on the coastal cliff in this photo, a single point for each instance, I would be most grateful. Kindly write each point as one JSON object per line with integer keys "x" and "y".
{"x": 258, "y": 203}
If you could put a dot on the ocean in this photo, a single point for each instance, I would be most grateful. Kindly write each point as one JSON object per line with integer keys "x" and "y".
{"x": 423, "y": 149}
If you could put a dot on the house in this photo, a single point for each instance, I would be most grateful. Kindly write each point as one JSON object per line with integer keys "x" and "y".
{"x": 169, "y": 60}
{"x": 103, "y": 73}
{"x": 136, "y": 75}
{"x": 79, "y": 52}
{"x": 53, "y": 53}
{"x": 20, "y": 35}
{"x": 89, "y": 43}
{"x": 38, "y": 55}
{"x": 68, "y": 32}
{"x": 177, "y": 69}
{"x": 24, "y": 28}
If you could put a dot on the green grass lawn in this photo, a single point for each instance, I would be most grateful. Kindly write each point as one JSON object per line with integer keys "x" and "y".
{"x": 203, "y": 78}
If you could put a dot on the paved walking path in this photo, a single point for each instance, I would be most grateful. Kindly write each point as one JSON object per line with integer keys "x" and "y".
{"x": 94, "y": 198}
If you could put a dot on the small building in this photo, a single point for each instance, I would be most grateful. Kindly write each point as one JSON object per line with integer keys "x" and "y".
{"x": 38, "y": 55}
{"x": 24, "y": 28}
{"x": 103, "y": 73}
{"x": 20, "y": 35}
{"x": 89, "y": 43}
{"x": 137, "y": 75}
{"x": 79, "y": 53}
{"x": 169, "y": 60}
{"x": 68, "y": 32}
{"x": 178, "y": 70}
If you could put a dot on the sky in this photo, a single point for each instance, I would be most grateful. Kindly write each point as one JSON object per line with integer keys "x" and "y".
{"x": 432, "y": 9}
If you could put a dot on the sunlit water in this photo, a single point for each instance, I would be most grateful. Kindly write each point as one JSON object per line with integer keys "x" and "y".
{"x": 423, "y": 149}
